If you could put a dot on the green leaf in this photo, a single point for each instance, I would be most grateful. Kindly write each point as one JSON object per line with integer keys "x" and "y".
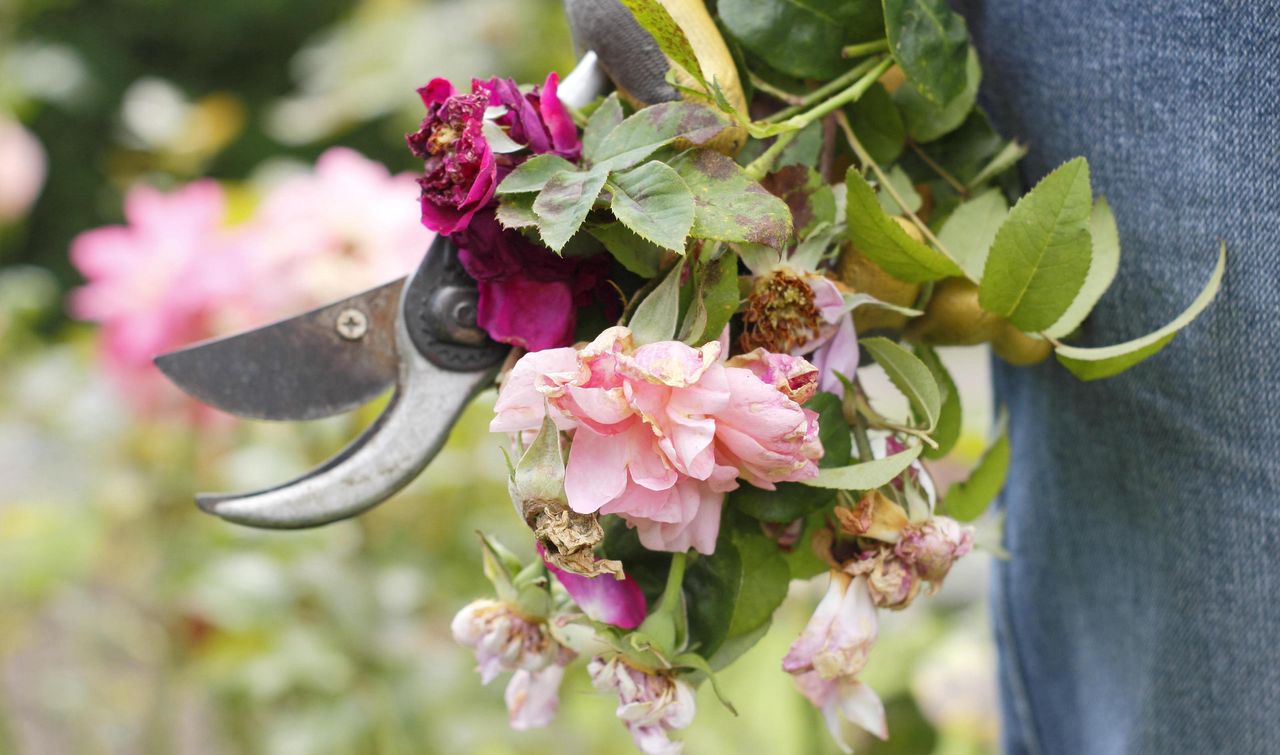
{"x": 516, "y": 211}
{"x": 654, "y": 202}
{"x": 798, "y": 37}
{"x": 964, "y": 152}
{"x": 1005, "y": 159}
{"x": 1095, "y": 363}
{"x": 878, "y": 124}
{"x": 711, "y": 589}
{"x": 882, "y": 240}
{"x": 950, "y": 419}
{"x": 734, "y": 648}
{"x": 719, "y": 296}
{"x": 867, "y": 475}
{"x": 792, "y": 500}
{"x": 925, "y": 119}
{"x": 970, "y": 229}
{"x": 656, "y": 317}
{"x": 1040, "y": 256}
{"x": 910, "y": 376}
{"x": 966, "y": 501}
{"x": 533, "y": 174}
{"x": 931, "y": 44}
{"x": 735, "y": 590}
{"x": 728, "y": 205}
{"x": 563, "y": 204}
{"x": 902, "y": 184}
{"x": 765, "y": 578}
{"x": 671, "y": 39}
{"x": 1102, "y": 269}
{"x": 654, "y": 127}
{"x": 632, "y": 252}
{"x": 602, "y": 122}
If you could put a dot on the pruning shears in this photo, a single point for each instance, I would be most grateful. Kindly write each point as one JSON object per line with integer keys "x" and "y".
{"x": 418, "y": 335}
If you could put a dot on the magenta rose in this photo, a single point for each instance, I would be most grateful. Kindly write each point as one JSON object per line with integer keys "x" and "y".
{"x": 460, "y": 168}
{"x": 529, "y": 295}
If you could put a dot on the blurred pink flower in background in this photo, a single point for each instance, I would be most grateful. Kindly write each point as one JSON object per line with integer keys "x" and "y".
{"x": 332, "y": 232}
{"x": 177, "y": 272}
{"x": 22, "y": 170}
{"x": 158, "y": 282}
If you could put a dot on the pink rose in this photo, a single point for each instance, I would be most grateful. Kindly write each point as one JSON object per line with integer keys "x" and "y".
{"x": 661, "y": 432}
{"x": 762, "y": 432}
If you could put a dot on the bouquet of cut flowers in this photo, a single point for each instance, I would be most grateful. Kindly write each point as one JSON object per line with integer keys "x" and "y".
{"x": 691, "y": 269}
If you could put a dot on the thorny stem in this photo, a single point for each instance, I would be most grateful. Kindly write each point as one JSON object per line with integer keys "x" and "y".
{"x": 817, "y": 95}
{"x": 863, "y": 156}
{"x": 865, "y": 48}
{"x": 941, "y": 171}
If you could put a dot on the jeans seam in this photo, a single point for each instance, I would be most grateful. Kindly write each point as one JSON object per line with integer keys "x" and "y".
{"x": 1017, "y": 676}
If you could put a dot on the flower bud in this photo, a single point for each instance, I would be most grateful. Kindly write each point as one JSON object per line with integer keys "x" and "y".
{"x": 933, "y": 546}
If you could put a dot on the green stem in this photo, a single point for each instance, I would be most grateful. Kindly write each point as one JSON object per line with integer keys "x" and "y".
{"x": 764, "y": 163}
{"x": 847, "y": 96}
{"x": 860, "y": 438}
{"x": 675, "y": 583}
{"x": 822, "y": 92}
{"x": 776, "y": 92}
{"x": 865, "y": 48}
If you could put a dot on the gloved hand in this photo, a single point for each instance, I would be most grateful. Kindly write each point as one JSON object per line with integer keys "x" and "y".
{"x": 631, "y": 58}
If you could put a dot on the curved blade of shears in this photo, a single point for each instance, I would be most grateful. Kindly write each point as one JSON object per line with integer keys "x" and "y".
{"x": 444, "y": 361}
{"x": 316, "y": 364}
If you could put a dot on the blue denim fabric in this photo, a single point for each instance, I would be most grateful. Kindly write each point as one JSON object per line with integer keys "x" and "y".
{"x": 1141, "y": 610}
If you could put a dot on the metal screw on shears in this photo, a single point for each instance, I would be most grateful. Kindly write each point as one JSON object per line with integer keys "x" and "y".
{"x": 352, "y": 324}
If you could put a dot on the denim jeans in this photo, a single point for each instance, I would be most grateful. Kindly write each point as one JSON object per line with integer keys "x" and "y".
{"x": 1140, "y": 612}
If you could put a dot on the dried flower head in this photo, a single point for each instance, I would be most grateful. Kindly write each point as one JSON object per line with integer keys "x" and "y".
{"x": 780, "y": 314}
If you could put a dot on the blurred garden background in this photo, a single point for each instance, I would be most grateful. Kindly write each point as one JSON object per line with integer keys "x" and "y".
{"x": 132, "y": 623}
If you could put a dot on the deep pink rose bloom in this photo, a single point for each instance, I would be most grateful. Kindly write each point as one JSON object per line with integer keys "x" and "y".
{"x": 460, "y": 169}
{"x": 535, "y": 118}
{"x": 529, "y": 295}
{"x": 459, "y": 172}
{"x": 662, "y": 431}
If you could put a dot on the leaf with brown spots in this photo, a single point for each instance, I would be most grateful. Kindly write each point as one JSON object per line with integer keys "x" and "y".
{"x": 730, "y": 206}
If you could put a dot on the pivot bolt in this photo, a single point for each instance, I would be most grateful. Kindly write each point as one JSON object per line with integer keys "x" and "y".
{"x": 352, "y": 324}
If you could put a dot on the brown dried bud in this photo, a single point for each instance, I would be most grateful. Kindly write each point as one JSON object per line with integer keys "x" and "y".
{"x": 569, "y": 538}
{"x": 875, "y": 517}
